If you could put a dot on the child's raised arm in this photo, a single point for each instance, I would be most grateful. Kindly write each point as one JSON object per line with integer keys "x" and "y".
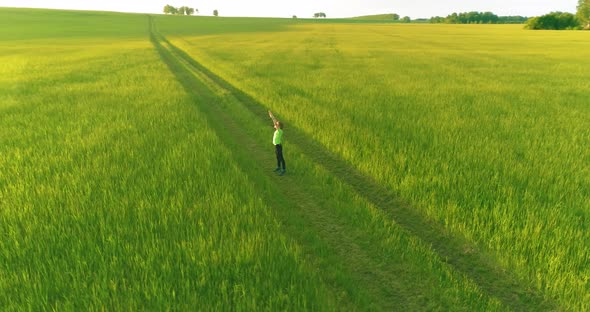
{"x": 274, "y": 120}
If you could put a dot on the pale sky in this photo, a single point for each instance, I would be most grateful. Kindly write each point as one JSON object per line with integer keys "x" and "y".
{"x": 306, "y": 8}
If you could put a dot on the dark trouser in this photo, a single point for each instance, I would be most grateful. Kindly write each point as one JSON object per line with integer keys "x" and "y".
{"x": 280, "y": 159}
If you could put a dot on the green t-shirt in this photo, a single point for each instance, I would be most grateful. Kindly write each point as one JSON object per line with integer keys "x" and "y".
{"x": 277, "y": 138}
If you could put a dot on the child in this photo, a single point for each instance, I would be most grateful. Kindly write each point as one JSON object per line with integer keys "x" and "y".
{"x": 277, "y": 140}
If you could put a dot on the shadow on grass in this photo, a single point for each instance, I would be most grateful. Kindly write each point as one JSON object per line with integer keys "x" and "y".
{"x": 459, "y": 253}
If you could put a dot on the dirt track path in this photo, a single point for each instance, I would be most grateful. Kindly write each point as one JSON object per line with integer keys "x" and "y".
{"x": 380, "y": 284}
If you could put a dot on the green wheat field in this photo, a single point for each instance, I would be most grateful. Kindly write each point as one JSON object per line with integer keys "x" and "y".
{"x": 429, "y": 167}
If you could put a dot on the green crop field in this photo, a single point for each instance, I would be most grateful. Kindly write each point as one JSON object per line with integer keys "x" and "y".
{"x": 429, "y": 167}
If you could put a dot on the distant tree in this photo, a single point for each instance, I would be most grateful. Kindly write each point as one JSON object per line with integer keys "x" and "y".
{"x": 320, "y": 14}
{"x": 215, "y": 13}
{"x": 395, "y": 17}
{"x": 512, "y": 19}
{"x": 489, "y": 18}
{"x": 454, "y": 19}
{"x": 533, "y": 23}
{"x": 406, "y": 19}
{"x": 469, "y": 17}
{"x": 554, "y": 21}
{"x": 294, "y": 16}
{"x": 437, "y": 19}
{"x": 568, "y": 21}
{"x": 583, "y": 13}
{"x": 168, "y": 9}
{"x": 183, "y": 10}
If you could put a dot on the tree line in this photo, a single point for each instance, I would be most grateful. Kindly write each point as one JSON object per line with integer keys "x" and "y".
{"x": 561, "y": 20}
{"x": 183, "y": 10}
{"x": 554, "y": 21}
{"x": 477, "y": 18}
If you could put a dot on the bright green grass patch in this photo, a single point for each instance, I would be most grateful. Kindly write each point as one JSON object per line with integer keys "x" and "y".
{"x": 206, "y": 25}
{"x": 17, "y": 25}
{"x": 115, "y": 194}
{"x": 482, "y": 128}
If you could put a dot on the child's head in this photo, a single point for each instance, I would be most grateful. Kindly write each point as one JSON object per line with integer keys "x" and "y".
{"x": 278, "y": 125}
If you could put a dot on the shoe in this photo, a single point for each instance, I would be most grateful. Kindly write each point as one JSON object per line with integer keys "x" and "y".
{"x": 282, "y": 172}
{"x": 277, "y": 170}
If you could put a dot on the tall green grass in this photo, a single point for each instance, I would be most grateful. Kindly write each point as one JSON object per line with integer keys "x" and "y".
{"x": 120, "y": 189}
{"x": 483, "y": 129}
{"x": 115, "y": 193}
{"x": 366, "y": 257}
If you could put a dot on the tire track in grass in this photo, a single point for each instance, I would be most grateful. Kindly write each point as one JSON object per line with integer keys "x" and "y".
{"x": 463, "y": 256}
{"x": 377, "y": 291}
